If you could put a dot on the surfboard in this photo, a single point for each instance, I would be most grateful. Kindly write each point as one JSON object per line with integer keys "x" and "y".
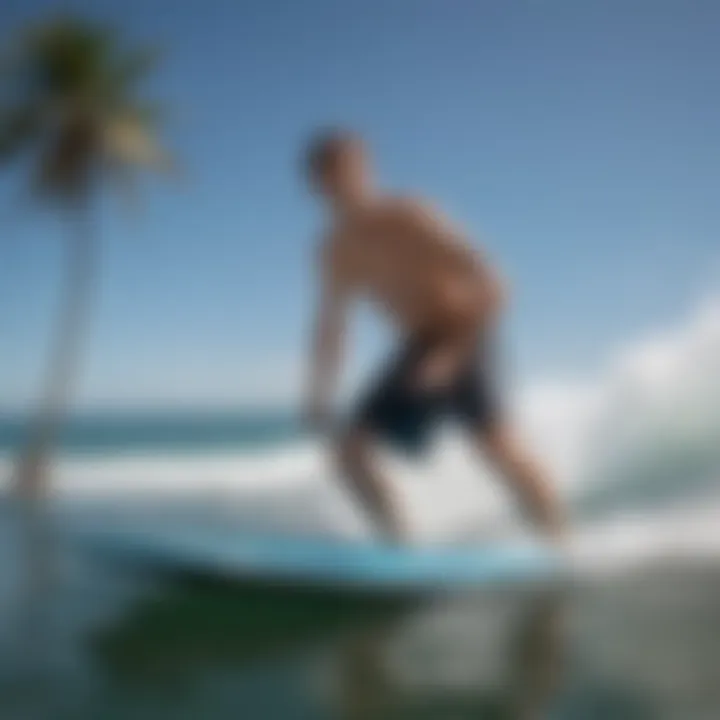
{"x": 329, "y": 563}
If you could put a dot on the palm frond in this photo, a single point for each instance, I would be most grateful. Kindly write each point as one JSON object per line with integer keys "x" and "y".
{"x": 83, "y": 85}
{"x": 69, "y": 159}
{"x": 18, "y": 127}
{"x": 69, "y": 56}
{"x": 129, "y": 140}
{"x": 11, "y": 60}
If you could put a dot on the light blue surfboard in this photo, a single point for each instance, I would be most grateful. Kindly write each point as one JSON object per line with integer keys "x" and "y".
{"x": 326, "y": 562}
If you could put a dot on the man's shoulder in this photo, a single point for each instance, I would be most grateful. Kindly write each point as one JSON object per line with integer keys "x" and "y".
{"x": 411, "y": 210}
{"x": 404, "y": 204}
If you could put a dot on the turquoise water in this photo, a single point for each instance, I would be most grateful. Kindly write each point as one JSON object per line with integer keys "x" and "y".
{"x": 84, "y": 638}
{"x": 92, "y": 640}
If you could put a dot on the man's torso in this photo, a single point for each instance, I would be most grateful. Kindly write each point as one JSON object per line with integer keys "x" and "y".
{"x": 400, "y": 266}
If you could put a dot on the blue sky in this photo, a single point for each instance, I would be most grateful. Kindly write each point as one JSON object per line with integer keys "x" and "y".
{"x": 579, "y": 142}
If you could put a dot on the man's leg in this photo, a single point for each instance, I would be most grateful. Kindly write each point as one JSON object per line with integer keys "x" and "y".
{"x": 524, "y": 476}
{"x": 354, "y": 455}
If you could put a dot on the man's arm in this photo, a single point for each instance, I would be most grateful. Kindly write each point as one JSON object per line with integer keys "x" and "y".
{"x": 328, "y": 337}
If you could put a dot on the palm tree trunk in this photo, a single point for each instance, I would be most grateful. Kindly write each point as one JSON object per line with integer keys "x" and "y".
{"x": 32, "y": 473}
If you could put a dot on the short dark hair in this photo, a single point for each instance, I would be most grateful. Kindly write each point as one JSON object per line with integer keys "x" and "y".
{"x": 325, "y": 147}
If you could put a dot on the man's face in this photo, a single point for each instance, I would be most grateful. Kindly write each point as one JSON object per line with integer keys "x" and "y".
{"x": 347, "y": 176}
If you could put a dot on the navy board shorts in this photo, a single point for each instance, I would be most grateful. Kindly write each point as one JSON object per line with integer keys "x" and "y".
{"x": 398, "y": 410}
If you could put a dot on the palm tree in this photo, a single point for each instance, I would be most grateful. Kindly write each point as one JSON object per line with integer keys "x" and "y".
{"x": 70, "y": 105}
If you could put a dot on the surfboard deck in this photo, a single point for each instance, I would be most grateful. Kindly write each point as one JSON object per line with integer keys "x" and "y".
{"x": 352, "y": 566}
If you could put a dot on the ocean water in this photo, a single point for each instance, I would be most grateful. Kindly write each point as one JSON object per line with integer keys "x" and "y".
{"x": 129, "y": 432}
{"x": 636, "y": 635}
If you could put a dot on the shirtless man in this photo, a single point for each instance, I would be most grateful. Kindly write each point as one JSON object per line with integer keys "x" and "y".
{"x": 445, "y": 301}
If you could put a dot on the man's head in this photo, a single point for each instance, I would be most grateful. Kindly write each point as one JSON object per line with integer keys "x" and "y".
{"x": 337, "y": 166}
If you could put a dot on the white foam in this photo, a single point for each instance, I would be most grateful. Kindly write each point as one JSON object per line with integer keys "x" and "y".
{"x": 688, "y": 532}
{"x": 656, "y": 405}
{"x": 179, "y": 473}
{"x": 659, "y": 390}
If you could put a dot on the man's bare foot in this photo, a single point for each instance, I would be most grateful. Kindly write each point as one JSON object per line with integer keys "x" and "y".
{"x": 551, "y": 522}
{"x": 393, "y": 531}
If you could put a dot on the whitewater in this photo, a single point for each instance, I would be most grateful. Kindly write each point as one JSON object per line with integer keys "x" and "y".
{"x": 635, "y": 451}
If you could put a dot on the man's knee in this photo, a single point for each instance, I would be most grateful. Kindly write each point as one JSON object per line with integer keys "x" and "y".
{"x": 500, "y": 446}
{"x": 352, "y": 448}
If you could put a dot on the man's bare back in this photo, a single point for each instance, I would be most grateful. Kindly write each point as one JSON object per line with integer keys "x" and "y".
{"x": 443, "y": 298}
{"x": 403, "y": 257}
